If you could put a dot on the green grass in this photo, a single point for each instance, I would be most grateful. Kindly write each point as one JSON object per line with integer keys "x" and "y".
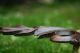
{"x": 62, "y": 16}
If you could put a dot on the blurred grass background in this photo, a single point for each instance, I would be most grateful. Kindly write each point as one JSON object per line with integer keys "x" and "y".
{"x": 61, "y": 14}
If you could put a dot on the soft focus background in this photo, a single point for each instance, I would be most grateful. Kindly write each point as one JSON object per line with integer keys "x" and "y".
{"x": 61, "y": 13}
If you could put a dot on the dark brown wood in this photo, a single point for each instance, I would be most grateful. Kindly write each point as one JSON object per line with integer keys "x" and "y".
{"x": 75, "y": 48}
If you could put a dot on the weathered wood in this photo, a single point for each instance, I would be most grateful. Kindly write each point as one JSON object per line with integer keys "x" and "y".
{"x": 56, "y": 34}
